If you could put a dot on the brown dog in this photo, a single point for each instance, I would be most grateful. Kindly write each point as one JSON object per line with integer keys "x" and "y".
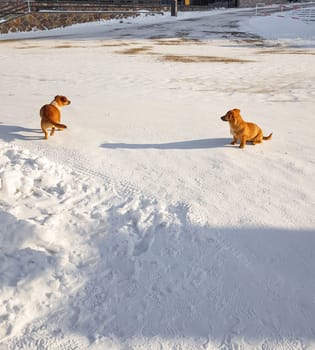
{"x": 243, "y": 131}
{"x": 50, "y": 115}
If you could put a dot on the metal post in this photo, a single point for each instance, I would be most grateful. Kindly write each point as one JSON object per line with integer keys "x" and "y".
{"x": 173, "y": 7}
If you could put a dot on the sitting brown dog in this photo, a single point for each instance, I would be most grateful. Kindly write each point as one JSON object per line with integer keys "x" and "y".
{"x": 50, "y": 115}
{"x": 243, "y": 131}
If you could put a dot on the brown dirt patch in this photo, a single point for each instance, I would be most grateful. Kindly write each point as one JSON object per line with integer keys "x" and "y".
{"x": 286, "y": 52}
{"x": 135, "y": 50}
{"x": 201, "y": 59}
{"x": 171, "y": 42}
{"x": 114, "y": 44}
{"x": 65, "y": 46}
{"x": 27, "y": 47}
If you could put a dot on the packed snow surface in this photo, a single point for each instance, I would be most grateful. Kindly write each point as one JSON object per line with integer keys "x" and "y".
{"x": 140, "y": 226}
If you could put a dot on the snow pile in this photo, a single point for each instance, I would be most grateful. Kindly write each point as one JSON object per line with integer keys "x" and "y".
{"x": 82, "y": 267}
{"x": 67, "y": 237}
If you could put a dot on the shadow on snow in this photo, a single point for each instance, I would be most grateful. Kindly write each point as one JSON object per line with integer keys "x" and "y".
{"x": 10, "y": 133}
{"x": 190, "y": 144}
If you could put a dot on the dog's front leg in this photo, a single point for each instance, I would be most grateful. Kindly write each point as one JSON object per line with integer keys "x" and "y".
{"x": 234, "y": 141}
{"x": 243, "y": 142}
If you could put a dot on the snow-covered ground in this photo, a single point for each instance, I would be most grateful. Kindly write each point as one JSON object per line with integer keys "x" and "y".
{"x": 139, "y": 226}
{"x": 292, "y": 27}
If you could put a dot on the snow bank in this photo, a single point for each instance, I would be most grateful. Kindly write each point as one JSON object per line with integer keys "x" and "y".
{"x": 82, "y": 267}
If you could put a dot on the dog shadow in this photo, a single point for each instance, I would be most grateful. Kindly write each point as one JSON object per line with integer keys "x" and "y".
{"x": 179, "y": 145}
{"x": 10, "y": 133}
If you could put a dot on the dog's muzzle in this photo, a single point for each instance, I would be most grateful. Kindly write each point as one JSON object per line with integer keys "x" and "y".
{"x": 224, "y": 118}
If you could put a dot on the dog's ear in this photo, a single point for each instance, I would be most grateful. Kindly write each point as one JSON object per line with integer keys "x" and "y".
{"x": 230, "y": 115}
{"x": 237, "y": 110}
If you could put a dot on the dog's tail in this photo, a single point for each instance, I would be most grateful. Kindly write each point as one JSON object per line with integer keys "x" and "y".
{"x": 267, "y": 137}
{"x": 59, "y": 126}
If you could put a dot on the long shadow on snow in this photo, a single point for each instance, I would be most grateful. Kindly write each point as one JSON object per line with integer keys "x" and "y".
{"x": 191, "y": 144}
{"x": 10, "y": 133}
{"x": 189, "y": 281}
